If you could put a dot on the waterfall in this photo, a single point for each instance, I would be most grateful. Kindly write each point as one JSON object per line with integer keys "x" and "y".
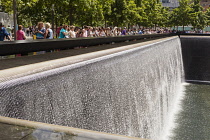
{"x": 129, "y": 93}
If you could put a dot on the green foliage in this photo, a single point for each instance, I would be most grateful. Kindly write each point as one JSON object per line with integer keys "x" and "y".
{"x": 189, "y": 13}
{"x": 207, "y": 14}
{"x": 183, "y": 13}
{"x": 199, "y": 20}
{"x": 147, "y": 13}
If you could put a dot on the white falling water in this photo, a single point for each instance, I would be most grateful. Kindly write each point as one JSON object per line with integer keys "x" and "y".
{"x": 170, "y": 123}
{"x": 129, "y": 93}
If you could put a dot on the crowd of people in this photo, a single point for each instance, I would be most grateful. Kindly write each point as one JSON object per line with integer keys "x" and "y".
{"x": 66, "y": 31}
{"x": 44, "y": 31}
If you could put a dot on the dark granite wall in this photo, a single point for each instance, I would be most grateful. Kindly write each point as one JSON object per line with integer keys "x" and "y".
{"x": 196, "y": 57}
{"x": 24, "y": 46}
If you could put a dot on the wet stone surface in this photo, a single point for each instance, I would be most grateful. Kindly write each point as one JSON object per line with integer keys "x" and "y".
{"x": 12, "y": 132}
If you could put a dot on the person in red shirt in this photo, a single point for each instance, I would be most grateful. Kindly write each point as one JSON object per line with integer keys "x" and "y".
{"x": 58, "y": 31}
{"x": 20, "y": 33}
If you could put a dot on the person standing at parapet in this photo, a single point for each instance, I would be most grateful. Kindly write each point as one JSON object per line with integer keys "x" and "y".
{"x": 3, "y": 33}
{"x": 124, "y": 31}
{"x": 9, "y": 29}
{"x": 49, "y": 32}
{"x": 72, "y": 32}
{"x": 85, "y": 31}
{"x": 63, "y": 32}
{"x": 20, "y": 34}
{"x": 40, "y": 31}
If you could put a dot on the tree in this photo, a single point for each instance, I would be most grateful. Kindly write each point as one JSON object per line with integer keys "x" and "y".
{"x": 181, "y": 16}
{"x": 207, "y": 14}
{"x": 89, "y": 12}
{"x": 106, "y": 6}
{"x": 198, "y": 17}
{"x": 119, "y": 16}
{"x": 164, "y": 14}
{"x": 153, "y": 14}
{"x": 132, "y": 12}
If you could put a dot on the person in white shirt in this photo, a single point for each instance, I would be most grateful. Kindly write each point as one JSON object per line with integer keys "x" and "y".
{"x": 84, "y": 31}
{"x": 115, "y": 31}
{"x": 72, "y": 32}
{"x": 108, "y": 31}
{"x": 90, "y": 32}
{"x": 49, "y": 32}
{"x": 102, "y": 32}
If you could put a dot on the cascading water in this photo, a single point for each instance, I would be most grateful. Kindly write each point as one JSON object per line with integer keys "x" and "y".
{"x": 128, "y": 93}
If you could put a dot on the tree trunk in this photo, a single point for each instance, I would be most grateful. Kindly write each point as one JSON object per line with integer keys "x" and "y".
{"x": 91, "y": 20}
{"x": 105, "y": 22}
{"x": 71, "y": 17}
{"x": 15, "y": 18}
{"x": 56, "y": 27}
{"x": 53, "y": 20}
